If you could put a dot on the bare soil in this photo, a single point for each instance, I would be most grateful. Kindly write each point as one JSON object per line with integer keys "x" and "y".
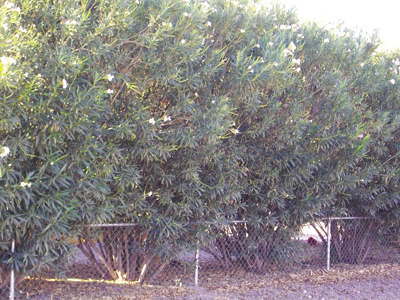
{"x": 342, "y": 282}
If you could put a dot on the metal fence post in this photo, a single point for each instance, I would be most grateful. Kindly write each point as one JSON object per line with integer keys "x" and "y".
{"x": 328, "y": 253}
{"x": 196, "y": 270}
{"x": 12, "y": 273}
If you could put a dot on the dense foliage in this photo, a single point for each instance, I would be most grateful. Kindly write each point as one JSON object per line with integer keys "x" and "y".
{"x": 165, "y": 112}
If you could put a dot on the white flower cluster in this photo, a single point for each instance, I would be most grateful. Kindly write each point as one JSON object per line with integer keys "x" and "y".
{"x": 12, "y": 6}
{"x": 110, "y": 77}
{"x": 152, "y": 121}
{"x": 297, "y": 62}
{"x": 167, "y": 24}
{"x": 25, "y": 184}
{"x": 167, "y": 118}
{"x": 392, "y": 81}
{"x": 290, "y": 49}
{"x": 4, "y": 152}
{"x": 206, "y": 7}
{"x": 293, "y": 27}
{"x": 72, "y": 22}
{"x": 8, "y": 60}
{"x": 338, "y": 32}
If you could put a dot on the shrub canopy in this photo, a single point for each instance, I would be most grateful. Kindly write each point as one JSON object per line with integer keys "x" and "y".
{"x": 164, "y": 112}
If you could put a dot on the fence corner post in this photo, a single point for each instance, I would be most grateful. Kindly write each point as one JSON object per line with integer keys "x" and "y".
{"x": 328, "y": 250}
{"x": 196, "y": 271}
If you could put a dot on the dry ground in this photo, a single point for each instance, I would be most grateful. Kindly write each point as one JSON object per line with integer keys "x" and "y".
{"x": 343, "y": 282}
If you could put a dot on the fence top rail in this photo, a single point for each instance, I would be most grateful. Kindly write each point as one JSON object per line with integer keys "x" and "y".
{"x": 136, "y": 224}
{"x": 347, "y": 218}
{"x": 112, "y": 225}
{"x": 213, "y": 222}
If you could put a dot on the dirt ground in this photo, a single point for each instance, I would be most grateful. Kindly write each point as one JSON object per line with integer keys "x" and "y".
{"x": 342, "y": 282}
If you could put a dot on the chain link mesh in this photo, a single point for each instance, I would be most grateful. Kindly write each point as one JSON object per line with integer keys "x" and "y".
{"x": 127, "y": 255}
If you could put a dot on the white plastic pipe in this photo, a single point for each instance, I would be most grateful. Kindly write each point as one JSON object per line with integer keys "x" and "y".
{"x": 328, "y": 250}
{"x": 12, "y": 273}
{"x": 196, "y": 270}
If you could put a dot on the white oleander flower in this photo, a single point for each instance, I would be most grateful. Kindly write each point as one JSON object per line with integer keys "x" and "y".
{"x": 205, "y": 5}
{"x": 242, "y": 30}
{"x": 292, "y": 46}
{"x": 167, "y": 118}
{"x": 297, "y": 61}
{"x": 110, "y": 77}
{"x": 287, "y": 52}
{"x": 9, "y": 4}
{"x": 8, "y": 60}
{"x": 152, "y": 121}
{"x": 4, "y": 152}
{"x": 72, "y": 22}
{"x": 392, "y": 81}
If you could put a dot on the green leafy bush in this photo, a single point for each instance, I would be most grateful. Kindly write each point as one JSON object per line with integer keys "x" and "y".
{"x": 168, "y": 112}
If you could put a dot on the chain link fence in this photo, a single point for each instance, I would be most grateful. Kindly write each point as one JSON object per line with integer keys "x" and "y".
{"x": 211, "y": 254}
